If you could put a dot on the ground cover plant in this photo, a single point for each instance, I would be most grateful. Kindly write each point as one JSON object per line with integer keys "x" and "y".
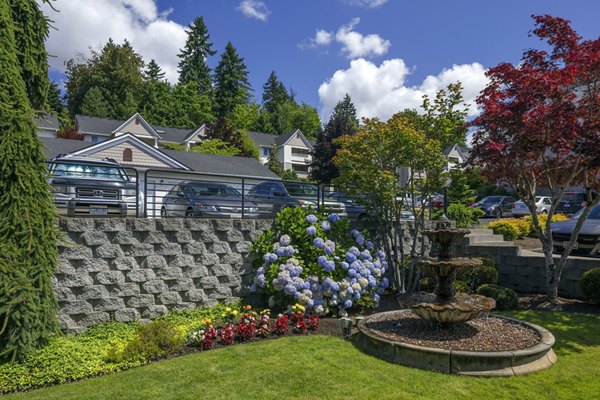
{"x": 325, "y": 367}
{"x": 115, "y": 346}
{"x": 315, "y": 260}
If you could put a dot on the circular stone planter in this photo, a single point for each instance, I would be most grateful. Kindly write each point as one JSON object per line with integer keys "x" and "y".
{"x": 475, "y": 363}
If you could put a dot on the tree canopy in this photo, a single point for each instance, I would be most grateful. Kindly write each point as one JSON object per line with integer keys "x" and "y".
{"x": 231, "y": 82}
{"x": 539, "y": 126}
{"x": 193, "y": 67}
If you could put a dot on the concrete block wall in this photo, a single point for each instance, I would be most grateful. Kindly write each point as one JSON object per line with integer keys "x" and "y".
{"x": 126, "y": 269}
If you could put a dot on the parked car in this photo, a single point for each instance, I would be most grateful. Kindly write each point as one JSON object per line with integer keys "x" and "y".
{"x": 588, "y": 240}
{"x": 542, "y": 206}
{"x": 354, "y": 210}
{"x": 495, "y": 206}
{"x": 88, "y": 187}
{"x": 206, "y": 199}
{"x": 570, "y": 203}
{"x": 274, "y": 196}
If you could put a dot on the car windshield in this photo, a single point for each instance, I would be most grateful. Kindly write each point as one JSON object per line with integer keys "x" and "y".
{"x": 107, "y": 172}
{"x": 594, "y": 214}
{"x": 572, "y": 197}
{"x": 214, "y": 190}
{"x": 491, "y": 199}
{"x": 537, "y": 199}
{"x": 296, "y": 189}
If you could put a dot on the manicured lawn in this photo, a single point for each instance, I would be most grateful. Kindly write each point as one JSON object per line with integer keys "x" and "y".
{"x": 321, "y": 367}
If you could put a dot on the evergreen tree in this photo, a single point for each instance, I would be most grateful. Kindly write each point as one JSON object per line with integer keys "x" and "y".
{"x": 28, "y": 229}
{"x": 192, "y": 65}
{"x": 116, "y": 70}
{"x": 55, "y": 101}
{"x": 154, "y": 72}
{"x": 323, "y": 170}
{"x": 274, "y": 94}
{"x": 346, "y": 109}
{"x": 30, "y": 38}
{"x": 231, "y": 82}
{"x": 273, "y": 162}
{"x": 94, "y": 104}
{"x": 223, "y": 131}
{"x": 187, "y": 108}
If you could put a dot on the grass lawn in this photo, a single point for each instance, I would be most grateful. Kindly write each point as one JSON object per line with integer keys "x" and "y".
{"x": 322, "y": 367}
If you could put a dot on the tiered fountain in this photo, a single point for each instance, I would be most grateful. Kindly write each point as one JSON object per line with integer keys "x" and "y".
{"x": 454, "y": 333}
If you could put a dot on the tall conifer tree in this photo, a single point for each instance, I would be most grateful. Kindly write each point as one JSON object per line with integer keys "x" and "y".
{"x": 28, "y": 229}
{"x": 231, "y": 82}
{"x": 30, "y": 38}
{"x": 192, "y": 65}
{"x": 345, "y": 108}
{"x": 274, "y": 93}
{"x": 154, "y": 72}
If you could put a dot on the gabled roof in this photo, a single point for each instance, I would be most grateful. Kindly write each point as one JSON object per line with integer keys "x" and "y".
{"x": 53, "y": 146}
{"x": 463, "y": 151}
{"x": 105, "y": 127}
{"x": 223, "y": 165}
{"x": 46, "y": 121}
{"x": 137, "y": 117}
{"x": 282, "y": 140}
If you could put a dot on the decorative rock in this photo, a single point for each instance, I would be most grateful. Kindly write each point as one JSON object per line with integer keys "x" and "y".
{"x": 182, "y": 285}
{"x": 152, "y": 312}
{"x": 81, "y": 279}
{"x": 110, "y": 277}
{"x": 125, "y": 263}
{"x": 127, "y": 315}
{"x": 94, "y": 265}
{"x": 140, "y": 250}
{"x": 78, "y": 253}
{"x": 169, "y": 273}
{"x": 125, "y": 238}
{"x": 169, "y": 225}
{"x": 155, "y": 262}
{"x": 220, "y": 293}
{"x": 77, "y": 224}
{"x": 243, "y": 247}
{"x": 244, "y": 225}
{"x": 209, "y": 282}
{"x": 232, "y": 259}
{"x": 155, "y": 237}
{"x": 93, "y": 293}
{"x": 222, "y": 224}
{"x": 221, "y": 270}
{"x": 263, "y": 224}
{"x": 125, "y": 289}
{"x": 209, "y": 259}
{"x": 197, "y": 295}
{"x": 76, "y": 307}
{"x": 234, "y": 236}
{"x": 140, "y": 300}
{"x": 141, "y": 224}
{"x": 196, "y": 225}
{"x": 183, "y": 237}
{"x": 221, "y": 248}
{"x": 140, "y": 275}
{"x": 167, "y": 249}
{"x": 155, "y": 286}
{"x": 110, "y": 304}
{"x": 198, "y": 271}
{"x": 94, "y": 318}
{"x": 168, "y": 298}
{"x": 63, "y": 293}
{"x": 110, "y": 224}
{"x": 183, "y": 261}
{"x": 94, "y": 238}
{"x": 109, "y": 251}
{"x": 208, "y": 236}
{"x": 194, "y": 248}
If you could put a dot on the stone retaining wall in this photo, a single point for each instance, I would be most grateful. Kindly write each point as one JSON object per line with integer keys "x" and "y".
{"x": 126, "y": 269}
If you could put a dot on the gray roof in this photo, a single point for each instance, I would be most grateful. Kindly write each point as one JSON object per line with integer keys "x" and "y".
{"x": 463, "y": 150}
{"x": 225, "y": 165}
{"x": 263, "y": 139}
{"x": 46, "y": 121}
{"x": 53, "y": 146}
{"x": 105, "y": 126}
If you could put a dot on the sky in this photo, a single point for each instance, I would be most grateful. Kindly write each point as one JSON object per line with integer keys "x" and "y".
{"x": 386, "y": 54}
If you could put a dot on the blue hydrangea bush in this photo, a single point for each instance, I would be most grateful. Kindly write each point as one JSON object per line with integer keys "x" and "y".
{"x": 314, "y": 259}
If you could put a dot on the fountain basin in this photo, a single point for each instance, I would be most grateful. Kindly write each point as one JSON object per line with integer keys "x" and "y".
{"x": 460, "y": 308}
{"x": 462, "y": 362}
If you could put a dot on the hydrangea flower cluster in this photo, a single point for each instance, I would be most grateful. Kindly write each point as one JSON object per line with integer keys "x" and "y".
{"x": 332, "y": 279}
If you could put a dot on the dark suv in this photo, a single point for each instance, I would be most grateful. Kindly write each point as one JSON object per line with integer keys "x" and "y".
{"x": 273, "y": 196}
{"x": 570, "y": 203}
{"x": 96, "y": 188}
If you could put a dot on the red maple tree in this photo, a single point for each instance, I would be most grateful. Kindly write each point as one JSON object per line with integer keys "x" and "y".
{"x": 539, "y": 127}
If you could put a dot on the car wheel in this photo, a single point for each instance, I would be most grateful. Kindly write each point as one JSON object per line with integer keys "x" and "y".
{"x": 498, "y": 214}
{"x": 163, "y": 212}
{"x": 189, "y": 213}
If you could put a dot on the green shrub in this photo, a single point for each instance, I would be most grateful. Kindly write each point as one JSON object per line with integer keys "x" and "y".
{"x": 506, "y": 228}
{"x": 484, "y": 275}
{"x": 506, "y": 299}
{"x": 531, "y": 231}
{"x": 590, "y": 285}
{"x": 460, "y": 287}
{"x": 463, "y": 215}
{"x": 153, "y": 340}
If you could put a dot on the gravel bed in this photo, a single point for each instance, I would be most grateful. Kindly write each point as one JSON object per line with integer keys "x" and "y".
{"x": 481, "y": 334}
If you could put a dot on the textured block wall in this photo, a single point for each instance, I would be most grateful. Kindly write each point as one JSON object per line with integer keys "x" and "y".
{"x": 126, "y": 269}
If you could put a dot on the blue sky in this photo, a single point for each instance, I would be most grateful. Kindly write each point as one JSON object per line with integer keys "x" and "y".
{"x": 387, "y": 54}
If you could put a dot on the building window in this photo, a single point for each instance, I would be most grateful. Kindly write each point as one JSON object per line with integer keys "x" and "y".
{"x": 137, "y": 122}
{"x": 96, "y": 139}
{"x": 266, "y": 152}
{"x": 127, "y": 155}
{"x": 296, "y": 151}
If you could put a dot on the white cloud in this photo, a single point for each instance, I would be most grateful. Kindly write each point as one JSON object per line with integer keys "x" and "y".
{"x": 254, "y": 9}
{"x": 365, "y": 3}
{"x": 354, "y": 44}
{"x": 81, "y": 24}
{"x": 381, "y": 91}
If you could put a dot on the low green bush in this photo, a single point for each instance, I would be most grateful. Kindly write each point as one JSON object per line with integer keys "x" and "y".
{"x": 507, "y": 228}
{"x": 484, "y": 275}
{"x": 153, "y": 340}
{"x": 590, "y": 285}
{"x": 506, "y": 299}
{"x": 460, "y": 286}
{"x": 463, "y": 215}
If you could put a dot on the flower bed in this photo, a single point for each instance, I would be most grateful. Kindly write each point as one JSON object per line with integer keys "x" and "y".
{"x": 315, "y": 260}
